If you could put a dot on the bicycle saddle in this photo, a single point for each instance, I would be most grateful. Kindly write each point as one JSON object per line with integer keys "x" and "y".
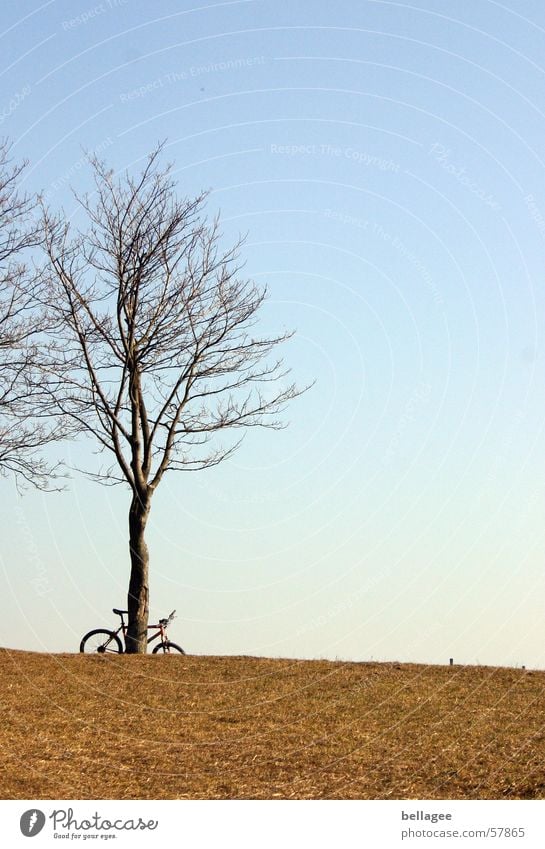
{"x": 119, "y": 612}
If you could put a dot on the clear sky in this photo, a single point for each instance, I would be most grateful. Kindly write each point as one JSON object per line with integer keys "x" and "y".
{"x": 387, "y": 162}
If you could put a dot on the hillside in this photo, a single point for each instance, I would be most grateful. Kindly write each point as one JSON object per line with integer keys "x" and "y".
{"x": 78, "y": 726}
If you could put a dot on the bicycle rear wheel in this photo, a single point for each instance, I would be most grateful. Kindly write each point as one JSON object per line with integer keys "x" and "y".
{"x": 168, "y": 648}
{"x": 101, "y": 641}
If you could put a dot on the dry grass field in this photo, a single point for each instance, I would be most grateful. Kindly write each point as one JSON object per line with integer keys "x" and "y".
{"x": 127, "y": 727}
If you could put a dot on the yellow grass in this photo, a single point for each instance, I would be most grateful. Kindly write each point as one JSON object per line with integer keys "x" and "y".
{"x": 173, "y": 727}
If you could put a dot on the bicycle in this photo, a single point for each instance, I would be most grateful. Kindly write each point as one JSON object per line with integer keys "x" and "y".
{"x": 103, "y": 641}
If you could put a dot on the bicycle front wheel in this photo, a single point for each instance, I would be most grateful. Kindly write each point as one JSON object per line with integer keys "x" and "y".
{"x": 168, "y": 648}
{"x": 101, "y": 641}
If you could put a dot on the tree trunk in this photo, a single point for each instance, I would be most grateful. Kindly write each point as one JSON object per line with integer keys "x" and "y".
{"x": 138, "y": 599}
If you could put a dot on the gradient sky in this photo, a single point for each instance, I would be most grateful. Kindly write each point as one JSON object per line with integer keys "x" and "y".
{"x": 387, "y": 162}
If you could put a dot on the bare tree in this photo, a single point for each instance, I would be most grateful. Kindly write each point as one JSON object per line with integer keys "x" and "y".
{"x": 25, "y": 426}
{"x": 158, "y": 331}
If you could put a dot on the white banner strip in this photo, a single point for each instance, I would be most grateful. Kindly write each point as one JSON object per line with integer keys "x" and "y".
{"x": 278, "y": 824}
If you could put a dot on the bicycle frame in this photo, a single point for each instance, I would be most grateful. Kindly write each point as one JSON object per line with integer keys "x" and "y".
{"x": 161, "y": 632}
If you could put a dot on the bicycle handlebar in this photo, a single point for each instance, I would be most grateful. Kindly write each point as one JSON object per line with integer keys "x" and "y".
{"x": 168, "y": 620}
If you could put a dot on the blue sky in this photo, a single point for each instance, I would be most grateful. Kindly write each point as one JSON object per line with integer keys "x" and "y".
{"x": 386, "y": 161}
